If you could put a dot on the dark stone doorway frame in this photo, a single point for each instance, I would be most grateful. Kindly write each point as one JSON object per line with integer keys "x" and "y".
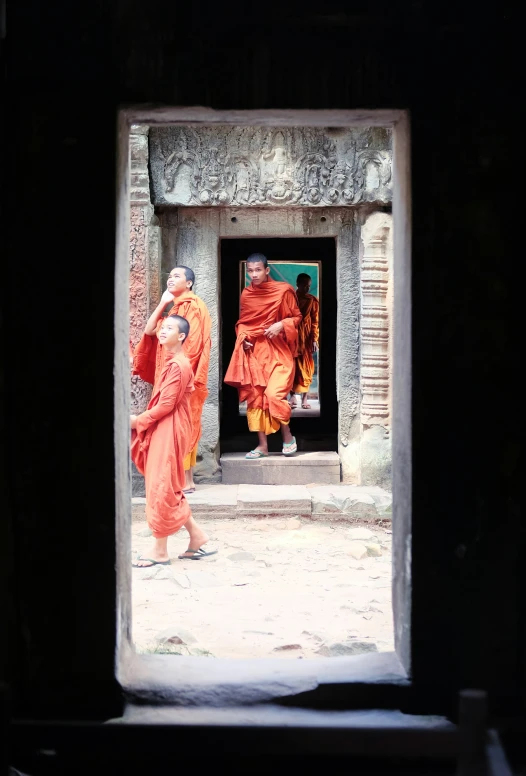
{"x": 316, "y": 433}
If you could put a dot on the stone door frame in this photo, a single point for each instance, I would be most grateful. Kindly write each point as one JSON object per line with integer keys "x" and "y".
{"x": 132, "y": 670}
{"x": 192, "y": 235}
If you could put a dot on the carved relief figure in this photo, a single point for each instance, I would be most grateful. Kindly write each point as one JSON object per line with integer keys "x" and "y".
{"x": 250, "y": 166}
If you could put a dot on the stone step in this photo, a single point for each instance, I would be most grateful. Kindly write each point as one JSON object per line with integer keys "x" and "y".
{"x": 303, "y": 468}
{"x": 347, "y": 503}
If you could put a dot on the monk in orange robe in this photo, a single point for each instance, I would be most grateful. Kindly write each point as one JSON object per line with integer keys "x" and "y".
{"x": 308, "y": 336}
{"x": 161, "y": 437}
{"x": 262, "y": 365}
{"x": 149, "y": 353}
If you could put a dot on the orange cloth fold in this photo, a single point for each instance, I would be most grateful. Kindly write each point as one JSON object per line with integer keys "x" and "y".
{"x": 159, "y": 444}
{"x": 149, "y": 356}
{"x": 190, "y": 459}
{"x": 264, "y": 374}
{"x": 308, "y": 334}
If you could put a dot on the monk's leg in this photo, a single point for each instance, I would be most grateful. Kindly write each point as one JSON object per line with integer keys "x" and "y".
{"x": 198, "y": 537}
{"x": 189, "y": 483}
{"x": 286, "y": 434}
{"x": 262, "y": 442}
{"x": 305, "y": 401}
{"x": 159, "y": 554}
{"x": 276, "y": 392}
{"x": 189, "y": 463}
{"x": 259, "y": 422}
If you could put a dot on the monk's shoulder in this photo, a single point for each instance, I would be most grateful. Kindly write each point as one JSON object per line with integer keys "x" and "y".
{"x": 246, "y": 294}
{"x": 181, "y": 367}
{"x": 184, "y": 361}
{"x": 285, "y": 288}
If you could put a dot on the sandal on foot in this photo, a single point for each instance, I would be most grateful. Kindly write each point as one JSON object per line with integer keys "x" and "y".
{"x": 255, "y": 454}
{"x": 290, "y": 447}
{"x": 151, "y": 562}
{"x": 188, "y": 490}
{"x": 196, "y": 554}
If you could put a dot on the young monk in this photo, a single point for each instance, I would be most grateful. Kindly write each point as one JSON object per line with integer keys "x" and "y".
{"x": 262, "y": 365}
{"x": 161, "y": 437}
{"x": 149, "y": 353}
{"x": 308, "y": 335}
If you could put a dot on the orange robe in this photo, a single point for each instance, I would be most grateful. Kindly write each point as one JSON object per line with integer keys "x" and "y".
{"x": 162, "y": 439}
{"x": 308, "y": 333}
{"x": 149, "y": 358}
{"x": 264, "y": 374}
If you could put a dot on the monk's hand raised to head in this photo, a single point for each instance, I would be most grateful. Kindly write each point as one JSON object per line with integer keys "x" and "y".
{"x": 274, "y": 330}
{"x": 247, "y": 345}
{"x": 167, "y": 297}
{"x": 133, "y": 421}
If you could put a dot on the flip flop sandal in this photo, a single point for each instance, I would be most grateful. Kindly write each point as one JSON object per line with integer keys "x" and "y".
{"x": 196, "y": 554}
{"x": 290, "y": 448}
{"x": 189, "y": 490}
{"x": 255, "y": 454}
{"x": 151, "y": 563}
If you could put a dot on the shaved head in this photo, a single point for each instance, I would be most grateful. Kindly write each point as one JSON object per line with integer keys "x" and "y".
{"x": 182, "y": 325}
{"x": 254, "y": 258}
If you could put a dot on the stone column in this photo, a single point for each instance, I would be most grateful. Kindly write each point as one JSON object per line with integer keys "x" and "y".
{"x": 375, "y": 364}
{"x": 197, "y": 247}
{"x": 145, "y": 289}
{"x": 348, "y": 346}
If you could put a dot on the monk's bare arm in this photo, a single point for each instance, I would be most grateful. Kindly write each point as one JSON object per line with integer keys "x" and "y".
{"x": 154, "y": 318}
{"x": 169, "y": 398}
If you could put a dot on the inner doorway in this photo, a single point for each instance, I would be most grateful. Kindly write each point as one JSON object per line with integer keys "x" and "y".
{"x": 314, "y": 431}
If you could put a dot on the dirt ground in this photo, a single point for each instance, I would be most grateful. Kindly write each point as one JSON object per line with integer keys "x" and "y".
{"x": 276, "y": 588}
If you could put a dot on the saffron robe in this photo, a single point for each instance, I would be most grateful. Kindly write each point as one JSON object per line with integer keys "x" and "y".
{"x": 160, "y": 442}
{"x": 149, "y": 358}
{"x": 308, "y": 334}
{"x": 264, "y": 373}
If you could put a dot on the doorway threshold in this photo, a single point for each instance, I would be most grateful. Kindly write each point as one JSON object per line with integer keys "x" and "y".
{"x": 276, "y": 469}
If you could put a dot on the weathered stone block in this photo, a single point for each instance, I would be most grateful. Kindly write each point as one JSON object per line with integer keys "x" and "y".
{"x": 277, "y": 500}
{"x": 357, "y": 550}
{"x": 175, "y": 635}
{"x": 301, "y": 469}
{"x": 348, "y": 500}
{"x": 214, "y": 501}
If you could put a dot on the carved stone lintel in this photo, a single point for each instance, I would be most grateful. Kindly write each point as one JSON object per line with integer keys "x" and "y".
{"x": 247, "y": 166}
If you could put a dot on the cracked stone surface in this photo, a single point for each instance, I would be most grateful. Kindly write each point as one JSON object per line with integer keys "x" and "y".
{"x": 274, "y": 583}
